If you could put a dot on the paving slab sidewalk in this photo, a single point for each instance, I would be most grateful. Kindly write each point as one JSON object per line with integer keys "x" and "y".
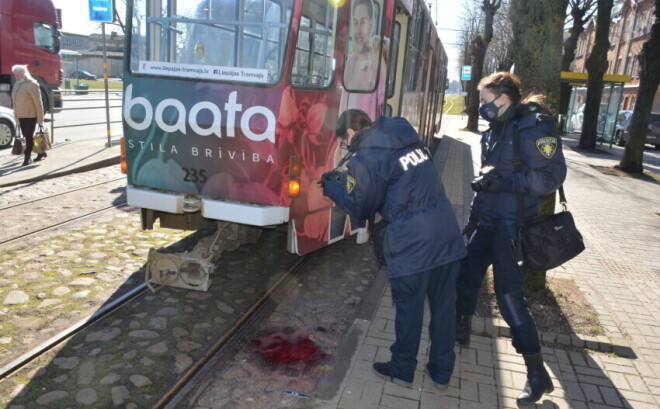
{"x": 64, "y": 158}
{"x": 618, "y": 273}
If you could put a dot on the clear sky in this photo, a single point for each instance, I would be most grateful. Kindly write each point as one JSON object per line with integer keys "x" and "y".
{"x": 447, "y": 17}
{"x": 446, "y": 13}
{"x": 75, "y": 17}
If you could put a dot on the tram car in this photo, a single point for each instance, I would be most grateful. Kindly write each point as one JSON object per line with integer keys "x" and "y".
{"x": 230, "y": 108}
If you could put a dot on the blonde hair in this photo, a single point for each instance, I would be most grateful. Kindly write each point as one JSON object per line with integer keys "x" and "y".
{"x": 23, "y": 69}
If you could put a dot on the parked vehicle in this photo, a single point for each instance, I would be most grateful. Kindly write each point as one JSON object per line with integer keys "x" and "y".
{"x": 82, "y": 75}
{"x": 653, "y": 134}
{"x": 8, "y": 127}
{"x": 30, "y": 35}
{"x": 622, "y": 124}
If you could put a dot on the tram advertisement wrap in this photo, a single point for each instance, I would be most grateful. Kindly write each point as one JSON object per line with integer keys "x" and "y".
{"x": 206, "y": 140}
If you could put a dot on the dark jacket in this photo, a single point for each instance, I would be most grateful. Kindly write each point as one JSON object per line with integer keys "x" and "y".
{"x": 392, "y": 173}
{"x": 543, "y": 168}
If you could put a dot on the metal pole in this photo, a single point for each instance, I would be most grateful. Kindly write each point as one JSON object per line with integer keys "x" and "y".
{"x": 105, "y": 82}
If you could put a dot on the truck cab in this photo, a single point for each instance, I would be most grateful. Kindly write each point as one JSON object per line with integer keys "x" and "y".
{"x": 30, "y": 35}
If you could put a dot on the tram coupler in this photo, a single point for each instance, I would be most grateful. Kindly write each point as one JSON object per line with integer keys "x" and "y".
{"x": 192, "y": 269}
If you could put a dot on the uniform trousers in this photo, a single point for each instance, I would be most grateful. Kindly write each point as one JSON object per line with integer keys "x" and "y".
{"x": 496, "y": 245}
{"x": 408, "y": 294}
{"x": 28, "y": 125}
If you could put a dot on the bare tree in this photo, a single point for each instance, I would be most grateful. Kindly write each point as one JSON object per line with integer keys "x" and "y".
{"x": 581, "y": 12}
{"x": 478, "y": 48}
{"x": 596, "y": 67}
{"x": 471, "y": 23}
{"x": 498, "y": 56}
{"x": 649, "y": 77}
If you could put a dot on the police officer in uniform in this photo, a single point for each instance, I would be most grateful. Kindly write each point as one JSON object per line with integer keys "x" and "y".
{"x": 492, "y": 231}
{"x": 391, "y": 173}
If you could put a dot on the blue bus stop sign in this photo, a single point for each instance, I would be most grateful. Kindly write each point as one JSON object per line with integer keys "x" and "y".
{"x": 466, "y": 73}
{"x": 100, "y": 10}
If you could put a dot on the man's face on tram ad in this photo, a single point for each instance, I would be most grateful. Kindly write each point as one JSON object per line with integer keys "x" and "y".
{"x": 362, "y": 24}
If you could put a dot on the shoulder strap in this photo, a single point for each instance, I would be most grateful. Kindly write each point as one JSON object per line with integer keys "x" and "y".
{"x": 517, "y": 167}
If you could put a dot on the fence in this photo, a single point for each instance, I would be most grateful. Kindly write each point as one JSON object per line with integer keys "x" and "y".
{"x": 113, "y": 100}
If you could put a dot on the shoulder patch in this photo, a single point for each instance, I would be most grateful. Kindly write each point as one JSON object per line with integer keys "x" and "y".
{"x": 350, "y": 184}
{"x": 547, "y": 146}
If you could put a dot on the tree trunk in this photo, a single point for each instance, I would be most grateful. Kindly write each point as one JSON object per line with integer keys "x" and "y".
{"x": 538, "y": 37}
{"x": 596, "y": 67}
{"x": 649, "y": 77}
{"x": 537, "y": 33}
{"x": 478, "y": 49}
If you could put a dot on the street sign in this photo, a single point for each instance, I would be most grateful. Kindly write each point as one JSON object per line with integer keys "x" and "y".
{"x": 100, "y": 10}
{"x": 466, "y": 73}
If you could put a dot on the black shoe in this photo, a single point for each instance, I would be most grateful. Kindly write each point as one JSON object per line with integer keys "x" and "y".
{"x": 40, "y": 157}
{"x": 439, "y": 386}
{"x": 463, "y": 327}
{"x": 26, "y": 161}
{"x": 538, "y": 380}
{"x": 382, "y": 370}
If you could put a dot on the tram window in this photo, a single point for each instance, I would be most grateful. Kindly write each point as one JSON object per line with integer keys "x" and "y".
{"x": 314, "y": 57}
{"x": 394, "y": 56}
{"x": 211, "y": 39}
{"x": 363, "y": 48}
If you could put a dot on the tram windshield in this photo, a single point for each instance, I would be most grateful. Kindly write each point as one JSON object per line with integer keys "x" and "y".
{"x": 216, "y": 40}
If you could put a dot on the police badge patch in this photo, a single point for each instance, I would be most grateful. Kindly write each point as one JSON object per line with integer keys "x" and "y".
{"x": 547, "y": 146}
{"x": 350, "y": 184}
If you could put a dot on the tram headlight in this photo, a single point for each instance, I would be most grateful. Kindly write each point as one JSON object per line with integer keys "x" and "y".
{"x": 294, "y": 187}
{"x": 122, "y": 156}
{"x": 295, "y": 168}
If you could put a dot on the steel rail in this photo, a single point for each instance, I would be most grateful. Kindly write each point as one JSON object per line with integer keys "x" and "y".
{"x": 183, "y": 386}
{"x": 103, "y": 312}
{"x": 59, "y": 194}
{"x": 54, "y": 226}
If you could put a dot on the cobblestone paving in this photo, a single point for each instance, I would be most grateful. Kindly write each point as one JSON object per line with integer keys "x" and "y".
{"x": 132, "y": 357}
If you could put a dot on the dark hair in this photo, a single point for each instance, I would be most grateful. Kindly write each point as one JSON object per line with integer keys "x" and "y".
{"x": 367, "y": 3}
{"x": 354, "y": 119}
{"x": 506, "y": 83}
{"x": 502, "y": 83}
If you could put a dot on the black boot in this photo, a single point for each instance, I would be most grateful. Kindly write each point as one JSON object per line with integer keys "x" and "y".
{"x": 538, "y": 380}
{"x": 27, "y": 160}
{"x": 40, "y": 157}
{"x": 463, "y": 326}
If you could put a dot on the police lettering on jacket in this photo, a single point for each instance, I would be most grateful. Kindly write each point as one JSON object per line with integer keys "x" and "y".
{"x": 413, "y": 158}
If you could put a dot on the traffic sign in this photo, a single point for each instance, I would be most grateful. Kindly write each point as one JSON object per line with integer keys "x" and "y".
{"x": 100, "y": 10}
{"x": 466, "y": 73}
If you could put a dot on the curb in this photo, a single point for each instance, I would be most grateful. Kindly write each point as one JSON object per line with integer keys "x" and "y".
{"x": 496, "y": 327}
{"x": 96, "y": 165}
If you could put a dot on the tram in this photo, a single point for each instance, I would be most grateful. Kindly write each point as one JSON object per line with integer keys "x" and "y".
{"x": 230, "y": 106}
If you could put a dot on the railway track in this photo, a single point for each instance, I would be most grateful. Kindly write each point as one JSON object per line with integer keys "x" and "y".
{"x": 20, "y": 226}
{"x": 232, "y": 297}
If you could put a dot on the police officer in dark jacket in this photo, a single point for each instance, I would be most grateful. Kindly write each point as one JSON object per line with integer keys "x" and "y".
{"x": 492, "y": 229}
{"x": 391, "y": 175}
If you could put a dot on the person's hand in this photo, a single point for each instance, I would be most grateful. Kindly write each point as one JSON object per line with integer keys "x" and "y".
{"x": 469, "y": 229}
{"x": 327, "y": 179}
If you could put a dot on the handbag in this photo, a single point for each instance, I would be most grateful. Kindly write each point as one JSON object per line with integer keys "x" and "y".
{"x": 552, "y": 240}
{"x": 41, "y": 140}
{"x": 549, "y": 241}
{"x": 19, "y": 144}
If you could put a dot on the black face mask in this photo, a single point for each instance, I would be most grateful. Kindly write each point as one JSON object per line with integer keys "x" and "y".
{"x": 489, "y": 111}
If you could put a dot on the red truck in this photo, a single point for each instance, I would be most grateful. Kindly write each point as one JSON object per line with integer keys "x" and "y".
{"x": 29, "y": 34}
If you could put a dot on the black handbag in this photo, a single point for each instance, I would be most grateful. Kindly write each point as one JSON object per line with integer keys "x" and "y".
{"x": 19, "y": 144}
{"x": 552, "y": 240}
{"x": 549, "y": 241}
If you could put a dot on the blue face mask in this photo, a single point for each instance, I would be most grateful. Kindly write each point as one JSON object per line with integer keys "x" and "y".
{"x": 489, "y": 111}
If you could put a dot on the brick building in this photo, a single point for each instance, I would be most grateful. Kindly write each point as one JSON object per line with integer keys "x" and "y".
{"x": 629, "y": 30}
